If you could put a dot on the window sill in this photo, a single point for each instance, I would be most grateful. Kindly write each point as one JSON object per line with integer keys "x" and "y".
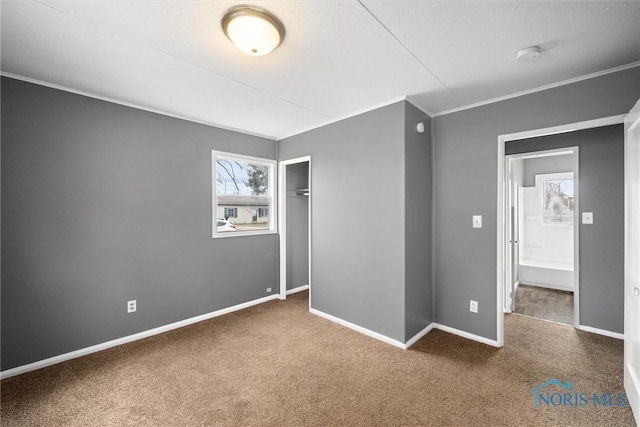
{"x": 228, "y": 234}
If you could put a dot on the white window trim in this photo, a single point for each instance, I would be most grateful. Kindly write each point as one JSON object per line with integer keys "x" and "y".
{"x": 271, "y": 193}
{"x": 539, "y": 181}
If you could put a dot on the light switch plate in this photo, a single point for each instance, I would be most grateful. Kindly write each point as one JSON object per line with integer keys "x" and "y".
{"x": 587, "y": 217}
{"x": 473, "y": 306}
{"x": 477, "y": 221}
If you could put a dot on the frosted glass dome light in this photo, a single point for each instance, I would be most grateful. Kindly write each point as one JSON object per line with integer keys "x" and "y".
{"x": 253, "y": 30}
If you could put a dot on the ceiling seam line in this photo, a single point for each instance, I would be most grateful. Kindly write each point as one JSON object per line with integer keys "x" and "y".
{"x": 273, "y": 95}
{"x": 402, "y": 44}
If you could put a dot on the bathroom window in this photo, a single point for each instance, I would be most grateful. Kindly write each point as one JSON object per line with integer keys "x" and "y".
{"x": 243, "y": 195}
{"x": 557, "y": 197}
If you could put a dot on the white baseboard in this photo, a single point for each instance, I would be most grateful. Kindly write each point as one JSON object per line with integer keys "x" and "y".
{"x": 549, "y": 286}
{"x": 357, "y": 328}
{"x": 601, "y": 332}
{"x": 413, "y": 340}
{"x": 145, "y": 334}
{"x": 419, "y": 335}
{"x": 298, "y": 289}
{"x": 467, "y": 335}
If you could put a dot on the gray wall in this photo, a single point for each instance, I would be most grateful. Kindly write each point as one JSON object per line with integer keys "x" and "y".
{"x": 543, "y": 165}
{"x": 297, "y": 226}
{"x": 465, "y": 150}
{"x": 601, "y": 186}
{"x": 102, "y": 204}
{"x": 418, "y": 223}
{"x": 357, "y": 210}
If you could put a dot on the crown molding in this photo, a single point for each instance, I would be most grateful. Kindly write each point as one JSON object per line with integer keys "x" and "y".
{"x": 129, "y": 104}
{"x": 539, "y": 89}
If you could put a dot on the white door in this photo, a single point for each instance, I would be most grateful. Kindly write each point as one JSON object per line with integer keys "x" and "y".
{"x": 632, "y": 260}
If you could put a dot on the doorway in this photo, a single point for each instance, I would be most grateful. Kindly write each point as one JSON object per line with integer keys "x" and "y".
{"x": 295, "y": 226}
{"x": 542, "y": 231}
{"x": 504, "y": 262}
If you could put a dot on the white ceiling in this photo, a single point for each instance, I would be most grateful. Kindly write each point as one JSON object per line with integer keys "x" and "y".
{"x": 339, "y": 58}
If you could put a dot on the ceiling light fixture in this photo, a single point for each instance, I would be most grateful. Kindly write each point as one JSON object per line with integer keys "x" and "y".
{"x": 528, "y": 54}
{"x": 254, "y": 30}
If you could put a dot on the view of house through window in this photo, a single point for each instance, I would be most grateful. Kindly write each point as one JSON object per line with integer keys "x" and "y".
{"x": 558, "y": 200}
{"x": 243, "y": 194}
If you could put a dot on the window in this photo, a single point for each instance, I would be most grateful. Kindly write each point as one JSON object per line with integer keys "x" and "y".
{"x": 557, "y": 197}
{"x": 230, "y": 213}
{"x": 243, "y": 195}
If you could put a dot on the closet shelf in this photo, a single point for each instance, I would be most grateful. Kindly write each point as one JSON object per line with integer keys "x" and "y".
{"x": 299, "y": 192}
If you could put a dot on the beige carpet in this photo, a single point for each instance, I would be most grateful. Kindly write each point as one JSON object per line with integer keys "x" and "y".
{"x": 275, "y": 364}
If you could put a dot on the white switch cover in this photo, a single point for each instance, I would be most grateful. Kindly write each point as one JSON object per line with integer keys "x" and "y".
{"x": 477, "y": 221}
{"x": 473, "y": 306}
{"x": 587, "y": 217}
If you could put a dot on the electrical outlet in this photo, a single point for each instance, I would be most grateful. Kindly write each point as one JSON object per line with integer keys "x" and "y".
{"x": 131, "y": 306}
{"x": 268, "y": 290}
{"x": 473, "y": 306}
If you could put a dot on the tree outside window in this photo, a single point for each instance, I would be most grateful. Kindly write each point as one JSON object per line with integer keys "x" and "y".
{"x": 243, "y": 194}
{"x": 558, "y": 201}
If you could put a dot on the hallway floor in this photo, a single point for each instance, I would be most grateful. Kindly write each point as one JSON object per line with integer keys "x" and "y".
{"x": 543, "y": 303}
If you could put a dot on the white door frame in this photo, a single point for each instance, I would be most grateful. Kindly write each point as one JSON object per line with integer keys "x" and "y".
{"x": 575, "y": 151}
{"x": 631, "y": 262}
{"x": 501, "y": 188}
{"x": 282, "y": 221}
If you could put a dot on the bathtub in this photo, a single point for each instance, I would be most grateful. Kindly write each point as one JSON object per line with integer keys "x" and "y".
{"x": 548, "y": 274}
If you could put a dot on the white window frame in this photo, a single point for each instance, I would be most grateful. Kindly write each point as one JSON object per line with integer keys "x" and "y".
{"x": 271, "y": 193}
{"x": 539, "y": 181}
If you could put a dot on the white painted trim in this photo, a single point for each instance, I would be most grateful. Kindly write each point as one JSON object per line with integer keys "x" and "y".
{"x": 502, "y": 139}
{"x": 344, "y": 117}
{"x": 555, "y": 130}
{"x": 282, "y": 221}
{"x": 298, "y": 289}
{"x": 538, "y": 89}
{"x": 553, "y": 286}
{"x": 576, "y": 235}
{"x": 500, "y": 245}
{"x": 124, "y": 340}
{"x": 309, "y": 225}
{"x": 358, "y": 328}
{"x": 419, "y": 335}
{"x": 418, "y": 106}
{"x": 463, "y": 334}
{"x": 410, "y": 342}
{"x": 601, "y": 332}
{"x": 575, "y": 152}
{"x": 507, "y": 307}
{"x": 296, "y": 160}
{"x": 272, "y": 193}
{"x": 282, "y": 229}
{"x": 326, "y": 122}
{"x": 132, "y": 105}
{"x": 631, "y": 261}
